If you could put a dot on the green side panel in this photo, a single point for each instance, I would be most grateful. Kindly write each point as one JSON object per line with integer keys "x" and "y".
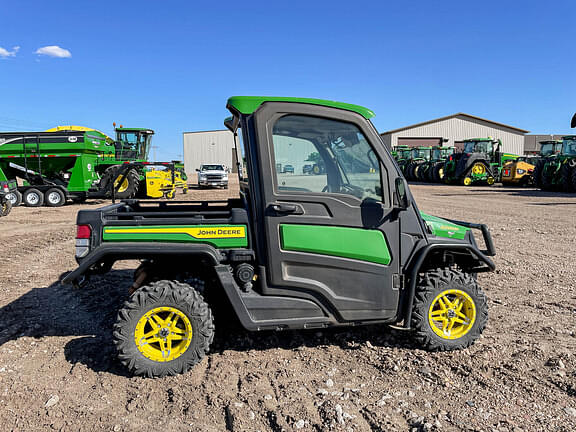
{"x": 249, "y": 104}
{"x": 442, "y": 228}
{"x": 83, "y": 173}
{"x": 219, "y": 236}
{"x": 355, "y": 243}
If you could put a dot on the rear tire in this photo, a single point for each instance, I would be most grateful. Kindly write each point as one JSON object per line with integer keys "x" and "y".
{"x": 453, "y": 298}
{"x": 54, "y": 197}
{"x": 5, "y": 207}
{"x": 183, "y": 324}
{"x": 566, "y": 173}
{"x": 130, "y": 184}
{"x": 538, "y": 173}
{"x": 15, "y": 197}
{"x": 33, "y": 198}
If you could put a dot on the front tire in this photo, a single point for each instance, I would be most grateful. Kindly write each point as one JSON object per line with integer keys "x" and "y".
{"x": 449, "y": 311}
{"x": 164, "y": 328}
{"x": 5, "y": 207}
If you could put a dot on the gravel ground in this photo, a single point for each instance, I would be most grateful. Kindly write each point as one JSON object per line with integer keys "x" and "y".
{"x": 58, "y": 370}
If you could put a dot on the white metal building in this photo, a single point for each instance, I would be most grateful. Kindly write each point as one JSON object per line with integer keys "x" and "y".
{"x": 452, "y": 130}
{"x": 208, "y": 147}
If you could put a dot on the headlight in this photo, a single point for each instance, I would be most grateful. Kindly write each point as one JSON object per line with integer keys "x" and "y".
{"x": 520, "y": 171}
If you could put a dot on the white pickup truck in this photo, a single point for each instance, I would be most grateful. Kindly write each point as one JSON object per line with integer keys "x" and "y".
{"x": 212, "y": 175}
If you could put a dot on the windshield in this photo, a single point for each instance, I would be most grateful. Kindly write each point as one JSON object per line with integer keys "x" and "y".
{"x": 421, "y": 153}
{"x": 133, "y": 145}
{"x": 569, "y": 147}
{"x": 478, "y": 147}
{"x": 212, "y": 168}
{"x": 547, "y": 149}
{"x": 436, "y": 154}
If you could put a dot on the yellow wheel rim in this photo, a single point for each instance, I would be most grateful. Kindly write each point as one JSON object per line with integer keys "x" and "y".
{"x": 441, "y": 173}
{"x": 478, "y": 169}
{"x": 163, "y": 334}
{"x": 490, "y": 180}
{"x": 452, "y": 314}
{"x": 467, "y": 181}
{"x": 123, "y": 186}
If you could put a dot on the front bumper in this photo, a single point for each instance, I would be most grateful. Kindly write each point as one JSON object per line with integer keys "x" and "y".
{"x": 213, "y": 182}
{"x": 490, "y": 249}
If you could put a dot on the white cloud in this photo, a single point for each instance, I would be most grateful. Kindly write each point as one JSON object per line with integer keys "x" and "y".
{"x": 54, "y": 51}
{"x": 4, "y": 53}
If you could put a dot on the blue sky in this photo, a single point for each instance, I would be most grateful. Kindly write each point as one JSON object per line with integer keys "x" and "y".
{"x": 171, "y": 65}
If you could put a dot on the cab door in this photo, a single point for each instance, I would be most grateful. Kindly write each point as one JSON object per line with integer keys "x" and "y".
{"x": 331, "y": 232}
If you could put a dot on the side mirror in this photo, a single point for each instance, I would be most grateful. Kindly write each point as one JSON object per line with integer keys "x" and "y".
{"x": 197, "y": 169}
{"x": 401, "y": 194}
{"x": 573, "y": 123}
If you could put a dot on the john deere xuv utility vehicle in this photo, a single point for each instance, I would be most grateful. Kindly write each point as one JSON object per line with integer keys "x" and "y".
{"x": 481, "y": 161}
{"x": 344, "y": 248}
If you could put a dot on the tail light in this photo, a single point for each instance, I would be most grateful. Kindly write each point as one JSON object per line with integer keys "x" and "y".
{"x": 83, "y": 234}
{"x": 83, "y": 231}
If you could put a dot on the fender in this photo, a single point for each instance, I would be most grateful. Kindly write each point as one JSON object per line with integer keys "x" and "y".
{"x": 112, "y": 252}
{"x": 413, "y": 268}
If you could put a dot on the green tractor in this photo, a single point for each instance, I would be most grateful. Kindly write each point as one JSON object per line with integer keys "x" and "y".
{"x": 433, "y": 170}
{"x": 73, "y": 162}
{"x": 481, "y": 162}
{"x": 402, "y": 155}
{"x": 418, "y": 156}
{"x": 557, "y": 170}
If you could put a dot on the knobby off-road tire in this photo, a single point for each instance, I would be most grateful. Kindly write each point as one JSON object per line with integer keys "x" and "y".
{"x": 538, "y": 173}
{"x": 449, "y": 311}
{"x": 5, "y": 207}
{"x": 164, "y": 328}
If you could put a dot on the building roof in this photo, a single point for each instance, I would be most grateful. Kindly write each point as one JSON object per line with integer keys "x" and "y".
{"x": 249, "y": 104}
{"x": 460, "y": 114}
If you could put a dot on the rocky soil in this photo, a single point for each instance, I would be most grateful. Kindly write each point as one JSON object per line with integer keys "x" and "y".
{"x": 58, "y": 369}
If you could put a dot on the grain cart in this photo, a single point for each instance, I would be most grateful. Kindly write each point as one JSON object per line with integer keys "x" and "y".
{"x": 344, "y": 248}
{"x": 72, "y": 162}
{"x": 557, "y": 171}
{"x": 433, "y": 170}
{"x": 481, "y": 161}
{"x": 418, "y": 156}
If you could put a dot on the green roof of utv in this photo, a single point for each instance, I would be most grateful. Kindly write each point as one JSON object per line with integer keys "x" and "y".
{"x": 249, "y": 104}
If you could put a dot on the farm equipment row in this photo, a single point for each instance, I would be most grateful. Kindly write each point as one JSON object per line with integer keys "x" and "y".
{"x": 76, "y": 163}
{"x": 483, "y": 162}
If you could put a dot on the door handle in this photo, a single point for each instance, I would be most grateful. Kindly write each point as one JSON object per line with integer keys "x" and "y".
{"x": 287, "y": 209}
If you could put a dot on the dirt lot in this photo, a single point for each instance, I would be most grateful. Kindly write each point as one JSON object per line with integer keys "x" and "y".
{"x": 57, "y": 365}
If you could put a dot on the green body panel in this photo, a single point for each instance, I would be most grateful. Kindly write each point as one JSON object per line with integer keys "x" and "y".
{"x": 249, "y": 104}
{"x": 354, "y": 243}
{"x": 179, "y": 234}
{"x": 442, "y": 228}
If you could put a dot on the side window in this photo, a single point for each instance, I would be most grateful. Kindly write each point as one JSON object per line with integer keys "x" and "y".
{"x": 314, "y": 154}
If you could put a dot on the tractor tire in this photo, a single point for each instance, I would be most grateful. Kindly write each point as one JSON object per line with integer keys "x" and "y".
{"x": 54, "y": 197}
{"x": 438, "y": 173}
{"x": 5, "y": 207}
{"x": 449, "y": 311}
{"x": 130, "y": 184}
{"x": 538, "y": 173}
{"x": 15, "y": 198}
{"x": 33, "y": 198}
{"x": 566, "y": 177}
{"x": 174, "y": 327}
{"x": 574, "y": 179}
